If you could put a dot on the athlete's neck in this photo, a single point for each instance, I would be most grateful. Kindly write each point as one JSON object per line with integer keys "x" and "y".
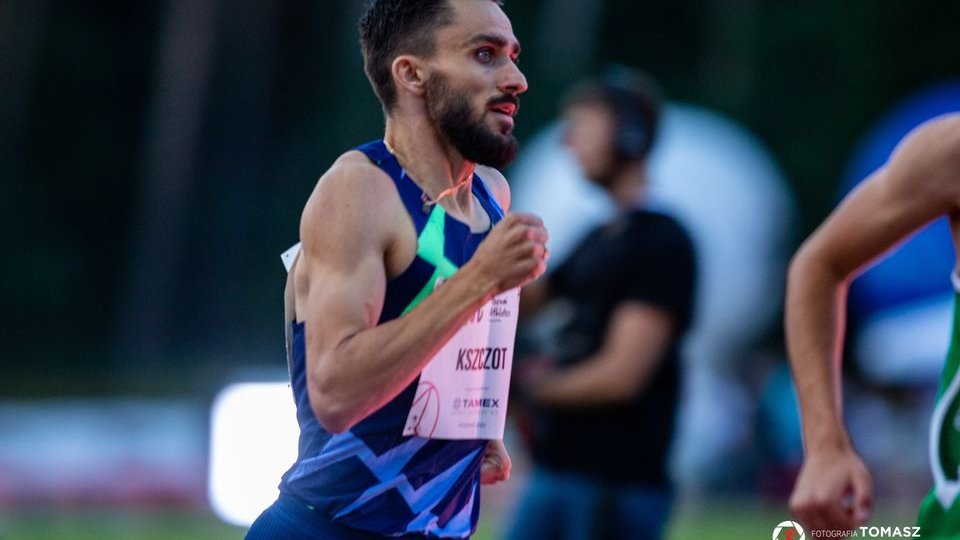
{"x": 437, "y": 168}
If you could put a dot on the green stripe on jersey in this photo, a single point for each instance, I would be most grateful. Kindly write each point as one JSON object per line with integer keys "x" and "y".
{"x": 430, "y": 247}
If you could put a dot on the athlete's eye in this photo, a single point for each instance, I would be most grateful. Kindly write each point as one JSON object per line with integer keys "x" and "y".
{"x": 485, "y": 55}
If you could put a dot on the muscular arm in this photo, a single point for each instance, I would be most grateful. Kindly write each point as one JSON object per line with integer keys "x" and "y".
{"x": 348, "y": 231}
{"x": 919, "y": 183}
{"x": 635, "y": 342}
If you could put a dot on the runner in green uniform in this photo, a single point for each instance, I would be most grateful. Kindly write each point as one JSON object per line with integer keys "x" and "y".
{"x": 919, "y": 183}
{"x": 939, "y": 515}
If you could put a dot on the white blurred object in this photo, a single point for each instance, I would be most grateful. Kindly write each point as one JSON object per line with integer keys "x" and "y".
{"x": 102, "y": 452}
{"x": 906, "y": 344}
{"x": 253, "y": 441}
{"x": 714, "y": 176}
{"x": 725, "y": 187}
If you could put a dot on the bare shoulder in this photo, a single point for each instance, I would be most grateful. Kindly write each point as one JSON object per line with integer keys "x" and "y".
{"x": 945, "y": 128}
{"x": 497, "y": 184}
{"x": 346, "y": 230}
{"x": 352, "y": 189}
{"x": 945, "y": 135}
{"x": 352, "y": 177}
{"x": 933, "y": 147}
{"x": 926, "y": 163}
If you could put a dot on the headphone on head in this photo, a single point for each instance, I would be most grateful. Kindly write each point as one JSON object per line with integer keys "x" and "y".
{"x": 635, "y": 106}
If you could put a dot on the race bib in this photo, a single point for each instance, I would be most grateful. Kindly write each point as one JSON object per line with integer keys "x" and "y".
{"x": 464, "y": 388}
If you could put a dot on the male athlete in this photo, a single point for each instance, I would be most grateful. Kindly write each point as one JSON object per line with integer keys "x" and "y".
{"x": 399, "y": 250}
{"x": 919, "y": 183}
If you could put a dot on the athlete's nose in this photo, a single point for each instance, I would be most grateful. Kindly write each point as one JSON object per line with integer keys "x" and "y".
{"x": 513, "y": 82}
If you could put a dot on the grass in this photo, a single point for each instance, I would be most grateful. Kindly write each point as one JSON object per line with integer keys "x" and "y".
{"x": 716, "y": 520}
{"x": 114, "y": 524}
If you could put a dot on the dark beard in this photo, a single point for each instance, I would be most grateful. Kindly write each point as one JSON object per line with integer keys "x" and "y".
{"x": 450, "y": 112}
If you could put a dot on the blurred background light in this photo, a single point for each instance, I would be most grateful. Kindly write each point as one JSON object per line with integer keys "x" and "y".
{"x": 253, "y": 441}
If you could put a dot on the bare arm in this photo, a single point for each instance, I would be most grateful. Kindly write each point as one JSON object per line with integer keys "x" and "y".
{"x": 635, "y": 342}
{"x": 919, "y": 183}
{"x": 355, "y": 366}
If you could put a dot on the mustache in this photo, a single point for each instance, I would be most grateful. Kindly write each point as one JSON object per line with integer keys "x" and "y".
{"x": 505, "y": 99}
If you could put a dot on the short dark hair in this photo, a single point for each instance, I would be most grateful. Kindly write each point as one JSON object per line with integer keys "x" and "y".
{"x": 393, "y": 27}
{"x": 635, "y": 103}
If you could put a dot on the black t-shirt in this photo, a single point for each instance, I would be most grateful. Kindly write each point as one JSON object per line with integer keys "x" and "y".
{"x": 644, "y": 257}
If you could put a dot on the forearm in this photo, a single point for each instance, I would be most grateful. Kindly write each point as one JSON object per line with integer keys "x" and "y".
{"x": 815, "y": 315}
{"x": 635, "y": 344}
{"x": 593, "y": 382}
{"x": 369, "y": 368}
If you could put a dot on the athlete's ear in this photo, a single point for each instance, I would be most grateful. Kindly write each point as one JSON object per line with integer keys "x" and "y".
{"x": 409, "y": 73}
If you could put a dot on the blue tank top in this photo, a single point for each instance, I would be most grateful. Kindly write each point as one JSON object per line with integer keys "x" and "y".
{"x": 371, "y": 477}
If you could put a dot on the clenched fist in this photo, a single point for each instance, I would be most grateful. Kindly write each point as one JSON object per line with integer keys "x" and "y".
{"x": 513, "y": 254}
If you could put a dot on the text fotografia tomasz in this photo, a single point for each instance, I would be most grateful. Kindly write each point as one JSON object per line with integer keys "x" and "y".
{"x": 869, "y": 532}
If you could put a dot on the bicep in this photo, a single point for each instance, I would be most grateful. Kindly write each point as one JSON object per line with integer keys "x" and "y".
{"x": 343, "y": 296}
{"x": 880, "y": 213}
{"x": 341, "y": 274}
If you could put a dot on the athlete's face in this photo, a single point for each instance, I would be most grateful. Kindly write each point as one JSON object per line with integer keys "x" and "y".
{"x": 472, "y": 93}
{"x": 589, "y": 136}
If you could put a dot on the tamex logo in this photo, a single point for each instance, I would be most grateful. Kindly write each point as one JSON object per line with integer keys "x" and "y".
{"x": 788, "y": 530}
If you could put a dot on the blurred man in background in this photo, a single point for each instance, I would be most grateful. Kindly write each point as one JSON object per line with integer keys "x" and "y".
{"x": 919, "y": 183}
{"x": 388, "y": 223}
{"x": 603, "y": 407}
